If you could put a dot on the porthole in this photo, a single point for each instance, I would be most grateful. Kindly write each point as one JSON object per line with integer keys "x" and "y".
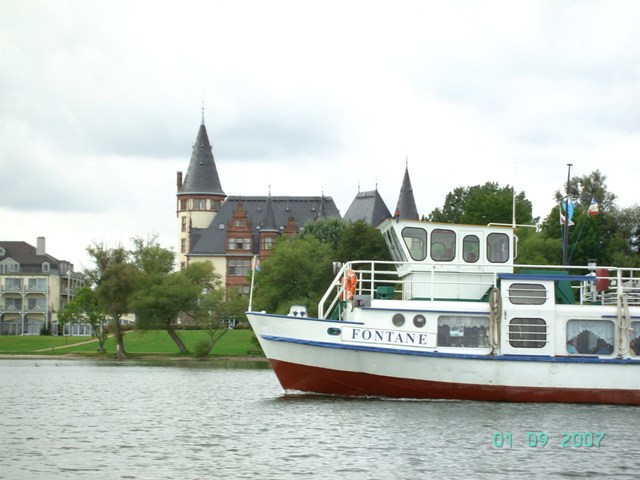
{"x": 419, "y": 321}
{"x": 333, "y": 331}
{"x": 398, "y": 319}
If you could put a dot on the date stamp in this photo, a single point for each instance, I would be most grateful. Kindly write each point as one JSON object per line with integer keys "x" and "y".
{"x": 543, "y": 439}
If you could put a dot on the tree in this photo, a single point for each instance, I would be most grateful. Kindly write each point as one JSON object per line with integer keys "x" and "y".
{"x": 115, "y": 279}
{"x": 84, "y": 307}
{"x": 116, "y": 286}
{"x": 361, "y": 241}
{"x": 483, "y": 204}
{"x": 298, "y": 271}
{"x": 160, "y": 299}
{"x": 327, "y": 230}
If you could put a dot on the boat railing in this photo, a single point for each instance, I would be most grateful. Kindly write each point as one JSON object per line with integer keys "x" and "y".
{"x": 409, "y": 281}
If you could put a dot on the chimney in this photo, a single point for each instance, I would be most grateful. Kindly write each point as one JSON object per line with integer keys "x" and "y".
{"x": 40, "y": 246}
{"x": 179, "y": 182}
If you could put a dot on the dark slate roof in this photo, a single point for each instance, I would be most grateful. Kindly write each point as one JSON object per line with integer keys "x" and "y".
{"x": 212, "y": 240}
{"x": 202, "y": 175}
{"x": 25, "y": 254}
{"x": 368, "y": 206}
{"x": 406, "y": 205}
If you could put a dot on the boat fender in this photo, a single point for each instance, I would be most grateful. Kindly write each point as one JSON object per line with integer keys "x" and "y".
{"x": 349, "y": 283}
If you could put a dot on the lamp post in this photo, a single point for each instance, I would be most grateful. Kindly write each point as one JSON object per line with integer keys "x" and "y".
{"x": 565, "y": 232}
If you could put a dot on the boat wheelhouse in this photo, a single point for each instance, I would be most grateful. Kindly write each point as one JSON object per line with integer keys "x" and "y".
{"x": 453, "y": 317}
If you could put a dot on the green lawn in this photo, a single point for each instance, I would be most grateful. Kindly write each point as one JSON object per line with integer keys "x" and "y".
{"x": 232, "y": 343}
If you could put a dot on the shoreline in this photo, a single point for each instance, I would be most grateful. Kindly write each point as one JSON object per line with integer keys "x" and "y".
{"x": 150, "y": 357}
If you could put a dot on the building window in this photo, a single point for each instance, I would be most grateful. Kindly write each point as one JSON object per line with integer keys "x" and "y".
{"x": 184, "y": 224}
{"x": 527, "y": 332}
{"x": 38, "y": 284}
{"x": 527, "y": 294}
{"x": 239, "y": 223}
{"x": 267, "y": 243}
{"x": 13, "y": 284}
{"x": 183, "y": 204}
{"x": 463, "y": 331}
{"x": 13, "y": 303}
{"x": 199, "y": 204}
{"x": 470, "y": 248}
{"x": 590, "y": 337}
{"x": 497, "y": 247}
{"x": 239, "y": 244}
{"x": 38, "y": 304}
{"x": 215, "y": 205}
{"x": 416, "y": 241}
{"x": 14, "y": 267}
{"x": 443, "y": 245}
{"x": 183, "y": 245}
{"x": 238, "y": 268}
{"x": 46, "y": 267}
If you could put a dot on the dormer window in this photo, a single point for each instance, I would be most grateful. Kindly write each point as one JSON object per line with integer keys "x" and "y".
{"x": 46, "y": 267}
{"x": 3, "y": 252}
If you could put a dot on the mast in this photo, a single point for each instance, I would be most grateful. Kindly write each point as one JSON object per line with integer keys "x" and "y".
{"x": 565, "y": 232}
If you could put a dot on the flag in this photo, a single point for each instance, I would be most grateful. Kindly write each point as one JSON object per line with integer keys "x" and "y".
{"x": 594, "y": 209}
{"x": 256, "y": 263}
{"x": 564, "y": 207}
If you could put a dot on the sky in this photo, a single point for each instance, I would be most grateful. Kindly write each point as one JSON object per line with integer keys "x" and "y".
{"x": 100, "y": 103}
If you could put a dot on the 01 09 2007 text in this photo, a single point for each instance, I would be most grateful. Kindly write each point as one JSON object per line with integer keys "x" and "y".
{"x": 543, "y": 439}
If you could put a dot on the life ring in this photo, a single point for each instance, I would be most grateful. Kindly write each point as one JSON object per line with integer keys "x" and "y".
{"x": 349, "y": 283}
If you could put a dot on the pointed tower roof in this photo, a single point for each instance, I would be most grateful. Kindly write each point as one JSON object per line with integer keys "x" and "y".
{"x": 202, "y": 175}
{"x": 269, "y": 221}
{"x": 368, "y": 206}
{"x": 406, "y": 206}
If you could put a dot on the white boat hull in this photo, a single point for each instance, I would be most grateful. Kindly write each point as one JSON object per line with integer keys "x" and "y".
{"x": 306, "y": 358}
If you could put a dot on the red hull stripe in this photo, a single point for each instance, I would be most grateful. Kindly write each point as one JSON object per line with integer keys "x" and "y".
{"x": 307, "y": 378}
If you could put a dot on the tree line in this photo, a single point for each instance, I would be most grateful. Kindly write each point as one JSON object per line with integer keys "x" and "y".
{"x": 142, "y": 281}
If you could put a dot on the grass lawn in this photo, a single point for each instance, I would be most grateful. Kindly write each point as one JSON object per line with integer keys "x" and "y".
{"x": 158, "y": 342}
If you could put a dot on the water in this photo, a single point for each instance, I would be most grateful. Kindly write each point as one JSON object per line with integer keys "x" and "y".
{"x": 77, "y": 419}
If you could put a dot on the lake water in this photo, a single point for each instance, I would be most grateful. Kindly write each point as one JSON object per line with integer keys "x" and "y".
{"x": 77, "y": 419}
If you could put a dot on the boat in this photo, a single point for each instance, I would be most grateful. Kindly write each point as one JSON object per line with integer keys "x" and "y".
{"x": 454, "y": 317}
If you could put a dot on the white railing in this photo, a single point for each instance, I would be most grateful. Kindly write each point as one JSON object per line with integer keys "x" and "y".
{"x": 588, "y": 285}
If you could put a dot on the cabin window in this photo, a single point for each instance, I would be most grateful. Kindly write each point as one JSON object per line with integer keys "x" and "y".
{"x": 527, "y": 294}
{"x": 527, "y": 333}
{"x": 394, "y": 246}
{"x": 470, "y": 248}
{"x": 635, "y": 339}
{"x": 463, "y": 331}
{"x": 590, "y": 337}
{"x": 443, "y": 245}
{"x": 497, "y": 247}
{"x": 416, "y": 241}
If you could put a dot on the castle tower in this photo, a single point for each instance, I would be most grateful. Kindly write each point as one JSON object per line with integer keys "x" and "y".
{"x": 200, "y": 195}
{"x": 269, "y": 232}
{"x": 406, "y": 206}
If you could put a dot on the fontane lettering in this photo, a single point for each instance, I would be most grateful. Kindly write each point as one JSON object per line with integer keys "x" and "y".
{"x": 388, "y": 337}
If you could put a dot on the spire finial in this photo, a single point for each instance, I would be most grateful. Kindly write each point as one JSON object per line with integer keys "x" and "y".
{"x": 406, "y": 160}
{"x": 202, "y": 107}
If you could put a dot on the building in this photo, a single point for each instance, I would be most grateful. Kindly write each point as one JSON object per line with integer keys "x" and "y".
{"x": 369, "y": 207}
{"x": 34, "y": 286}
{"x": 232, "y": 231}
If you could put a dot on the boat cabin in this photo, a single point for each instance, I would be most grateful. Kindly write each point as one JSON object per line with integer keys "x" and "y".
{"x": 447, "y": 261}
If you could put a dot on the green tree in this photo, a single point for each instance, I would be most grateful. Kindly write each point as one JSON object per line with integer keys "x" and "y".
{"x": 298, "y": 271}
{"x": 327, "y": 230}
{"x": 161, "y": 298}
{"x": 361, "y": 241}
{"x": 117, "y": 284}
{"x": 483, "y": 204}
{"x": 115, "y": 279}
{"x": 85, "y": 308}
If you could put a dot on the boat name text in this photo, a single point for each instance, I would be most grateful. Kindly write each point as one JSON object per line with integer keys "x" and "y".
{"x": 388, "y": 337}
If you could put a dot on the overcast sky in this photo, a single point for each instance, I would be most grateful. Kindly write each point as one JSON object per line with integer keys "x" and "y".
{"x": 100, "y": 103}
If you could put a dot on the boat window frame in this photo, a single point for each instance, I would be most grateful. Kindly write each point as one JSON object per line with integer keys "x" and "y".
{"x": 494, "y": 256}
{"x": 634, "y": 341}
{"x": 473, "y": 250}
{"x": 416, "y": 235}
{"x": 449, "y": 248}
{"x": 395, "y": 248}
{"x": 597, "y": 329}
{"x": 463, "y": 322}
{"x": 530, "y": 338}
{"x": 529, "y": 295}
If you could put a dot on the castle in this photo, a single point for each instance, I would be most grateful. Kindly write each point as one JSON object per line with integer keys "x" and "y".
{"x": 230, "y": 231}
